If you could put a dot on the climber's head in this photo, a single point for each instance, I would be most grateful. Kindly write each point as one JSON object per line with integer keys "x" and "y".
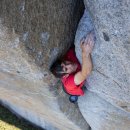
{"x": 60, "y": 69}
{"x": 69, "y": 67}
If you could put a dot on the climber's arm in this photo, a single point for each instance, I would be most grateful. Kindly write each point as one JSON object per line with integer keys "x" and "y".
{"x": 86, "y": 46}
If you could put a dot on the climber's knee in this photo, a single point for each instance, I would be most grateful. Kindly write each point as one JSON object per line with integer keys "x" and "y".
{"x": 73, "y": 98}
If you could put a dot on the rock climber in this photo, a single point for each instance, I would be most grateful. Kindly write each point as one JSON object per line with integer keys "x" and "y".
{"x": 72, "y": 74}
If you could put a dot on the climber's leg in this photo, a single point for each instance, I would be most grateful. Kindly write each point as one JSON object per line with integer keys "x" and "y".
{"x": 73, "y": 98}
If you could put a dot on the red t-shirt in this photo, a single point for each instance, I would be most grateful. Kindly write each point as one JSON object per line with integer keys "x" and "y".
{"x": 68, "y": 81}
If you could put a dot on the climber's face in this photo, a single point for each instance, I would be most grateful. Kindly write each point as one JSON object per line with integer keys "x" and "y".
{"x": 69, "y": 67}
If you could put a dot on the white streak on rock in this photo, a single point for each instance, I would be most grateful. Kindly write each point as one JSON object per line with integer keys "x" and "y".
{"x": 44, "y": 37}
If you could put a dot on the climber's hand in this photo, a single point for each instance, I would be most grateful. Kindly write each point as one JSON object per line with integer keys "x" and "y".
{"x": 87, "y": 43}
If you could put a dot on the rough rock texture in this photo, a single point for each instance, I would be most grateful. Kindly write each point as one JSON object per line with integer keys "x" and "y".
{"x": 25, "y": 89}
{"x": 106, "y": 105}
{"x": 42, "y": 29}
{"x": 102, "y": 115}
{"x": 47, "y": 27}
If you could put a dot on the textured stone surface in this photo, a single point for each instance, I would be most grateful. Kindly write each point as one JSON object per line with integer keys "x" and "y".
{"x": 32, "y": 93}
{"x": 102, "y": 115}
{"x": 47, "y": 27}
{"x": 43, "y": 29}
{"x": 107, "y": 104}
{"x": 31, "y": 32}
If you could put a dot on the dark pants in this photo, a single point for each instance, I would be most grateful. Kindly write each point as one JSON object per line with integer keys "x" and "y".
{"x": 72, "y": 98}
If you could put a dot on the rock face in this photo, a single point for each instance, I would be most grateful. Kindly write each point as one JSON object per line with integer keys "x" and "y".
{"x": 32, "y": 34}
{"x": 106, "y": 105}
{"x": 46, "y": 27}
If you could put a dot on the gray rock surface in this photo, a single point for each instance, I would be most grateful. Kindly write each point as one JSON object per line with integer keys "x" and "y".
{"x": 46, "y": 27}
{"x": 32, "y": 93}
{"x": 106, "y": 106}
{"x": 32, "y": 34}
{"x": 102, "y": 115}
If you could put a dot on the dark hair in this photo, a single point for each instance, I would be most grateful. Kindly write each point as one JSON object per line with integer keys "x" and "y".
{"x": 57, "y": 69}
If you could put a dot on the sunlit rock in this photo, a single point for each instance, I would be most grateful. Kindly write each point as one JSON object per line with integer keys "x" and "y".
{"x": 106, "y": 105}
